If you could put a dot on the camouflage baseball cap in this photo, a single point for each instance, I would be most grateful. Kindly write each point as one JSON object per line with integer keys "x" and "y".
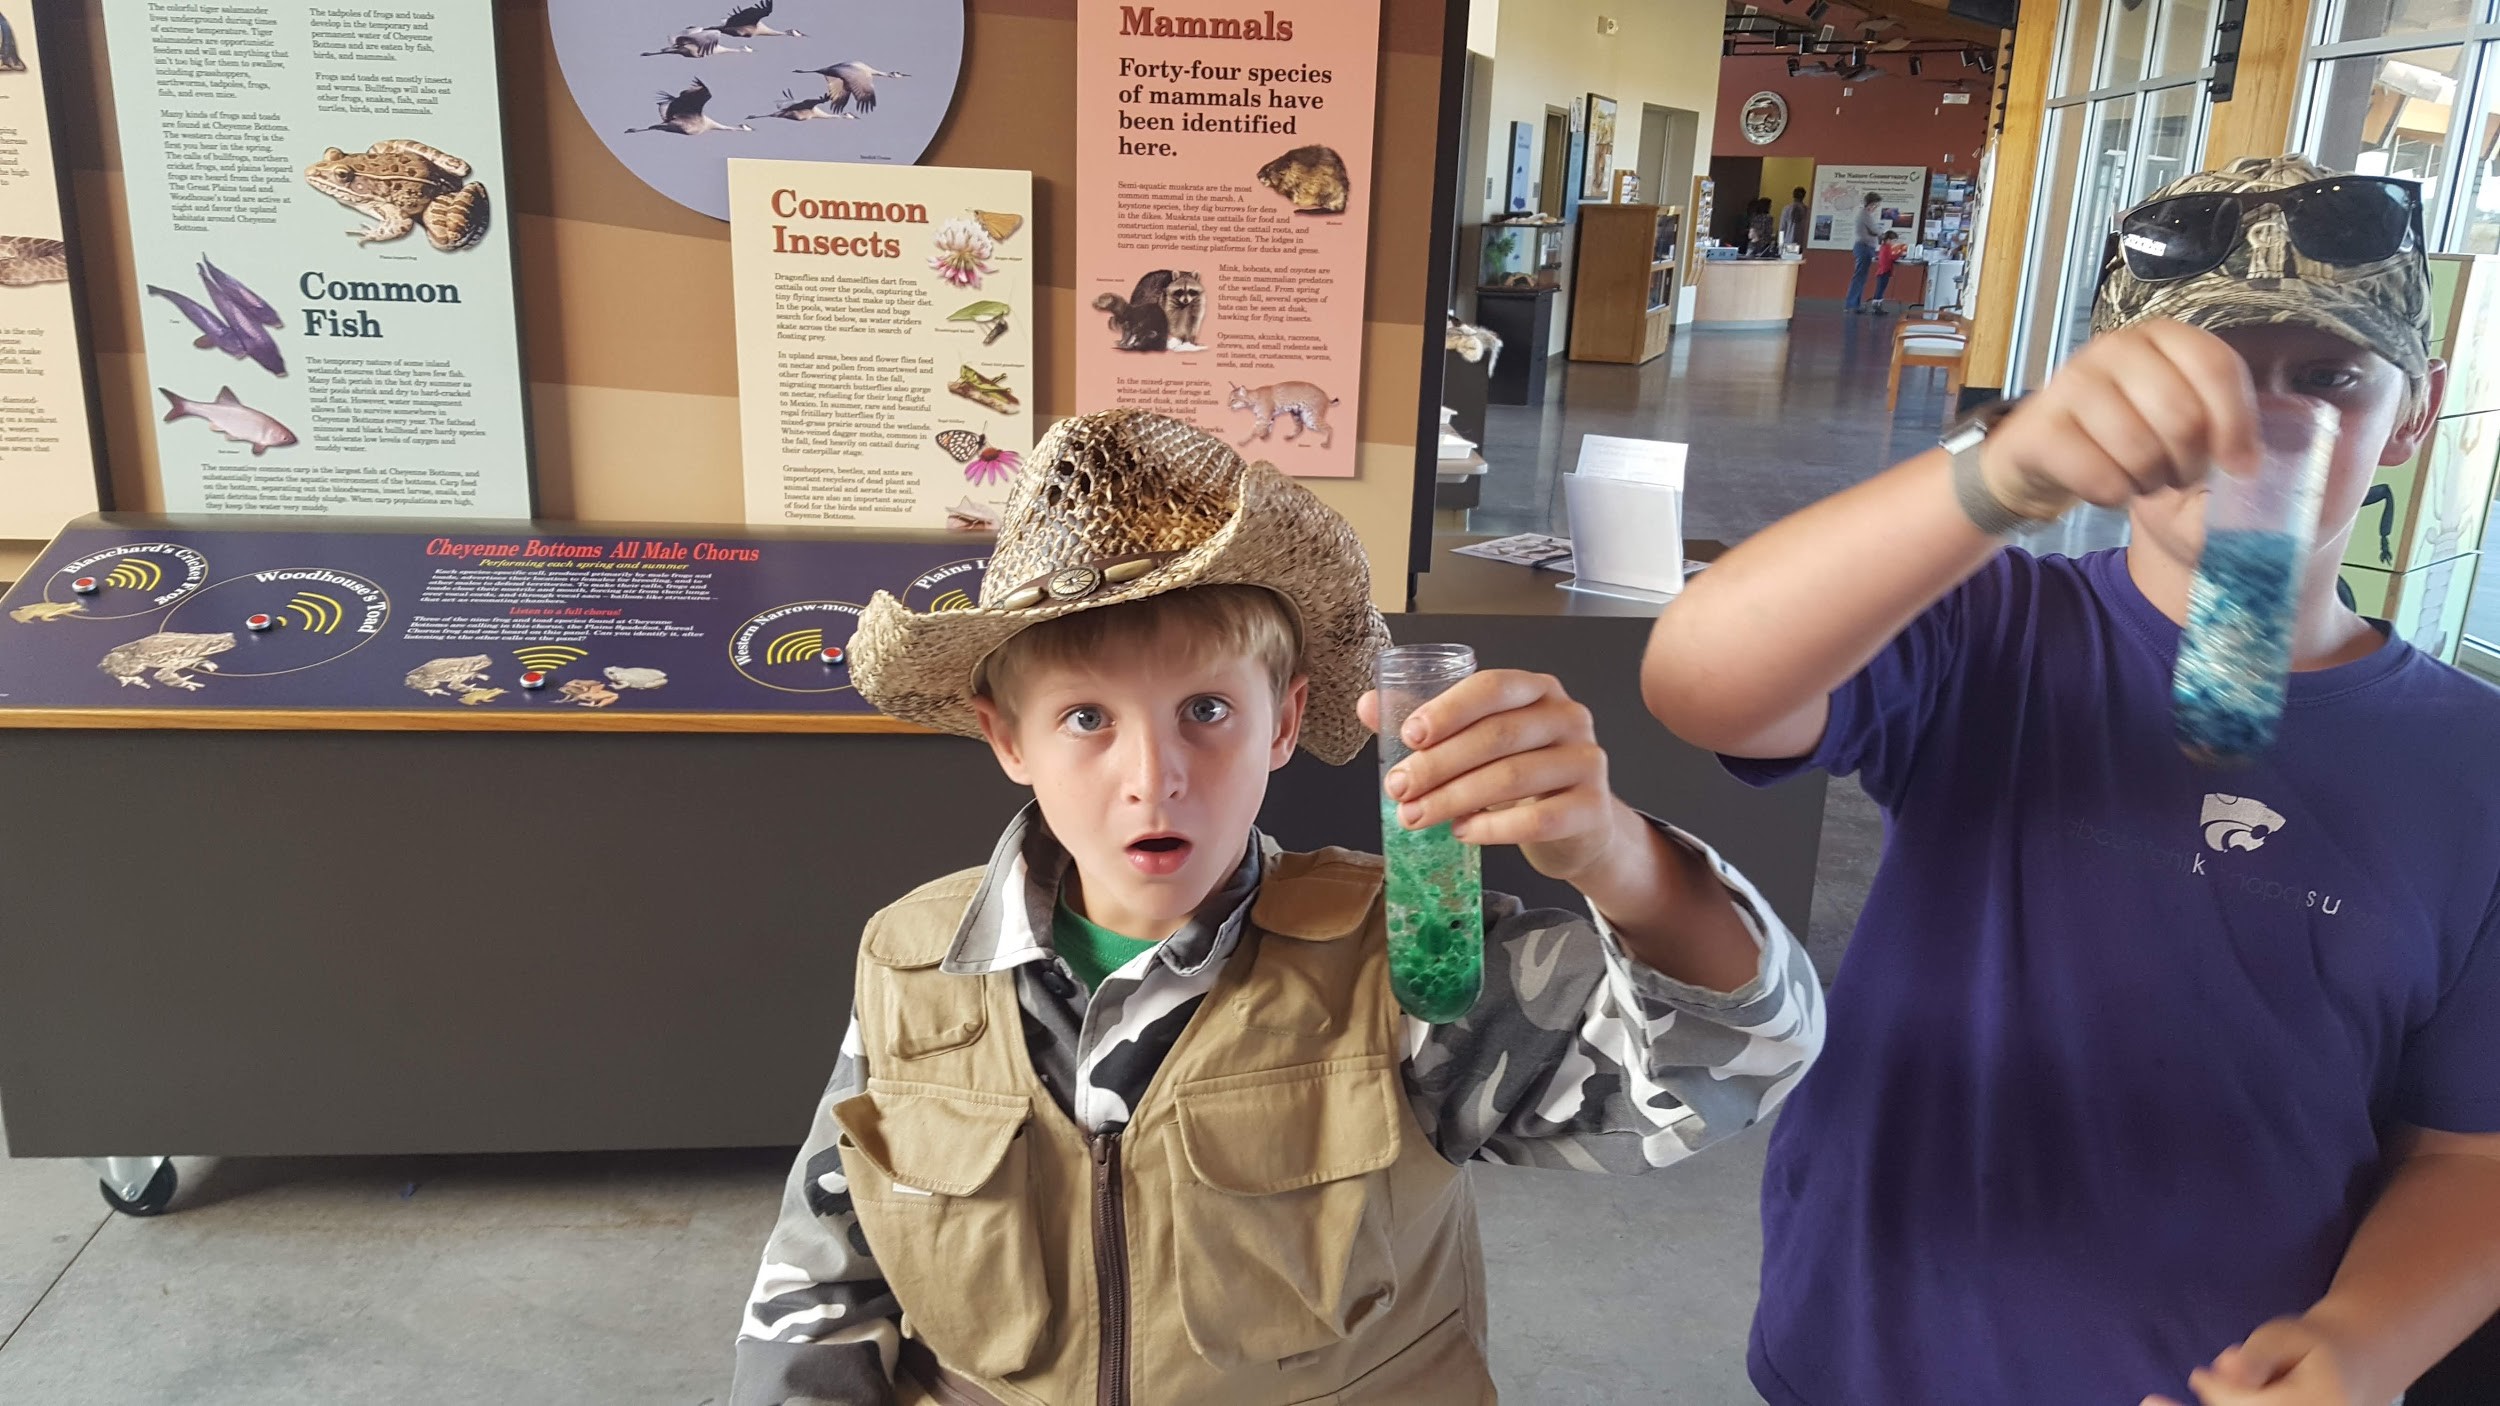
{"x": 2384, "y": 306}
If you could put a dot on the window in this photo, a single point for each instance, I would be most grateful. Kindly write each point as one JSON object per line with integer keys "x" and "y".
{"x": 2412, "y": 88}
{"x": 2113, "y": 136}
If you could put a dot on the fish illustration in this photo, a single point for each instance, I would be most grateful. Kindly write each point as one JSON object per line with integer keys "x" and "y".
{"x": 233, "y": 419}
{"x": 980, "y": 389}
{"x": 239, "y": 323}
{"x": 48, "y": 610}
{"x": 228, "y": 291}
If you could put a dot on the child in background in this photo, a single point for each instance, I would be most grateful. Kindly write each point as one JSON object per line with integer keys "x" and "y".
{"x": 1886, "y": 255}
{"x": 1130, "y": 1114}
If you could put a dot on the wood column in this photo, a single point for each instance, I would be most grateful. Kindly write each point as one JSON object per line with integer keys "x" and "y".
{"x": 2018, "y": 151}
{"x": 2257, "y": 121}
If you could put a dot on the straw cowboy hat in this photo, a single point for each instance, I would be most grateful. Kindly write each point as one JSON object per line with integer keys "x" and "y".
{"x": 1119, "y": 506}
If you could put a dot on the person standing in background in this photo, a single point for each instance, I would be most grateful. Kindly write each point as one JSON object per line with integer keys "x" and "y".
{"x": 1870, "y": 235}
{"x": 1795, "y": 219}
{"x": 1887, "y": 254}
{"x": 1761, "y": 235}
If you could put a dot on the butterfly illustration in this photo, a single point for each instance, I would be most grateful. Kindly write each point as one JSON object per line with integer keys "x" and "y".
{"x": 983, "y": 462}
{"x": 1000, "y": 226}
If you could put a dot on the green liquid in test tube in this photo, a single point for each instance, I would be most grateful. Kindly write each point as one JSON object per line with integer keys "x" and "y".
{"x": 1435, "y": 879}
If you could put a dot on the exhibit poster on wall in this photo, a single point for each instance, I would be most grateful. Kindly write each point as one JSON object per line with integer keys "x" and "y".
{"x": 47, "y": 452}
{"x": 885, "y": 341}
{"x": 1223, "y": 189}
{"x": 321, "y": 224}
{"x": 1841, "y": 191}
{"x": 677, "y": 89}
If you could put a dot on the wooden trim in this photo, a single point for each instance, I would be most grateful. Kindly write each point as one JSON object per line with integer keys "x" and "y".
{"x": 2258, "y": 119}
{"x": 1440, "y": 283}
{"x": 2027, "y": 59}
{"x": 425, "y": 720}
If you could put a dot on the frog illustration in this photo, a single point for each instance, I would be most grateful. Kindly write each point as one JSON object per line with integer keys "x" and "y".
{"x": 168, "y": 655}
{"x": 402, "y": 184}
{"x": 48, "y": 610}
{"x": 590, "y": 693}
{"x": 636, "y": 678}
{"x": 475, "y": 696}
{"x": 444, "y": 677}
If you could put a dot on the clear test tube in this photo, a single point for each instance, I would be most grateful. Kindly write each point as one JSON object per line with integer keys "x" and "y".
{"x": 1435, "y": 880}
{"x": 2235, "y": 656}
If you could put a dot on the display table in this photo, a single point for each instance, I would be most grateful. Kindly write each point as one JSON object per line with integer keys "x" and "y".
{"x": 292, "y": 891}
{"x": 1740, "y": 294}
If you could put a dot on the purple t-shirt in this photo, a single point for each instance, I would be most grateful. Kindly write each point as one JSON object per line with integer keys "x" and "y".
{"x": 2113, "y": 1049}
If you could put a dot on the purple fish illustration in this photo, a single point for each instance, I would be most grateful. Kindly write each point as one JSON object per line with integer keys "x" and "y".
{"x": 238, "y": 325}
{"x": 222, "y": 286}
{"x": 233, "y": 419}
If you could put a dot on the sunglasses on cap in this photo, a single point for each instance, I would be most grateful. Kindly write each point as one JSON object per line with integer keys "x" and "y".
{"x": 2344, "y": 220}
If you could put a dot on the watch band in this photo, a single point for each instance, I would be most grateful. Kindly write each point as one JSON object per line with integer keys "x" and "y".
{"x": 1980, "y": 504}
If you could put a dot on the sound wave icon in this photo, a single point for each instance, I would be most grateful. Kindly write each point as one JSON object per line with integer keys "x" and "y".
{"x": 547, "y": 658}
{"x": 952, "y": 600}
{"x": 796, "y": 647}
{"x": 136, "y": 574}
{"x": 316, "y": 612}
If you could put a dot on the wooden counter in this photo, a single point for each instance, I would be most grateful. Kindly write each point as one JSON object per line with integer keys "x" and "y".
{"x": 1745, "y": 293}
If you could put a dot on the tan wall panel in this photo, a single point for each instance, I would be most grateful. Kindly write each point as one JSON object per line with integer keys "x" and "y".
{"x": 624, "y": 294}
{"x": 2257, "y": 121}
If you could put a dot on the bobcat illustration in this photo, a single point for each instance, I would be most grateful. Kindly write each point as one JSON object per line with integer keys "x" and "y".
{"x": 1299, "y": 401}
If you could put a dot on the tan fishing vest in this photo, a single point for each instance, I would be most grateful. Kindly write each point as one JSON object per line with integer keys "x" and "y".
{"x": 1272, "y": 1227}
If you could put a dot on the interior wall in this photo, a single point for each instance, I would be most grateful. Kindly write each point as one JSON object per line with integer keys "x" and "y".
{"x": 1664, "y": 52}
{"x": 1894, "y": 120}
{"x": 622, "y": 434}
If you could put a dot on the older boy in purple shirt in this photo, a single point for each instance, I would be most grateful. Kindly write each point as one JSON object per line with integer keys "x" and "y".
{"x": 2143, "y": 1082}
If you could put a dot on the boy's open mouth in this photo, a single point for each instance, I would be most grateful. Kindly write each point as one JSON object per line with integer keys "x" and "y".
{"x": 1158, "y": 855}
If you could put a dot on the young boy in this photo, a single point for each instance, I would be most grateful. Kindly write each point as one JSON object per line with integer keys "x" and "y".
{"x": 1887, "y": 254}
{"x": 1130, "y": 1114}
{"x": 2134, "y": 1063}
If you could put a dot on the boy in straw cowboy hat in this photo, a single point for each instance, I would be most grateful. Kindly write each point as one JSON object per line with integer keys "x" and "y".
{"x": 2149, "y": 1079}
{"x": 1130, "y": 1114}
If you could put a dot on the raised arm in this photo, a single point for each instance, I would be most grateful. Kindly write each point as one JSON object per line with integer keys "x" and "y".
{"x": 1745, "y": 661}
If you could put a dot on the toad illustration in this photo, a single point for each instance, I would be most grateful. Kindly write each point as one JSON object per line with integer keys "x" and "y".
{"x": 444, "y": 677}
{"x": 621, "y": 677}
{"x": 48, "y": 610}
{"x": 168, "y": 655}
{"x": 401, "y": 184}
{"x": 590, "y": 693}
{"x": 475, "y": 696}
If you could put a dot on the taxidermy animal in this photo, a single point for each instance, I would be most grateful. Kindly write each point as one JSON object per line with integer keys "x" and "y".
{"x": 1299, "y": 401}
{"x": 1312, "y": 177}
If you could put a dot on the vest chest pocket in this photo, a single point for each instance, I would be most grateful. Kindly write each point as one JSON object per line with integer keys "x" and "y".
{"x": 1281, "y": 1207}
{"x": 941, "y": 1181}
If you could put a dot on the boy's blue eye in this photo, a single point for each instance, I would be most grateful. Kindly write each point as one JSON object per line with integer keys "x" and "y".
{"x": 1206, "y": 708}
{"x": 1083, "y": 720}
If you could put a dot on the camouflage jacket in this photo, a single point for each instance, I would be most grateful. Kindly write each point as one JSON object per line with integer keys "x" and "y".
{"x": 1575, "y": 1057}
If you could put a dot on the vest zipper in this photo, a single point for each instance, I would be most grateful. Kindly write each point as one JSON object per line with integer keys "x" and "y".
{"x": 1111, "y": 1272}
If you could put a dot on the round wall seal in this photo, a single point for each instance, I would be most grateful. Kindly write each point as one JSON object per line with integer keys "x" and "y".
{"x": 1764, "y": 118}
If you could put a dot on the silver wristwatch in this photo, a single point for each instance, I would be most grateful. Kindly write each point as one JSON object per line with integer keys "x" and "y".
{"x": 1986, "y": 511}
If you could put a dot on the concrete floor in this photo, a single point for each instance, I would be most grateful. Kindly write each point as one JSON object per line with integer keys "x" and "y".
{"x": 618, "y": 1278}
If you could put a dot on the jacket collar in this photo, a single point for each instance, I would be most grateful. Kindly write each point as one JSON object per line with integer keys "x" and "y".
{"x": 1008, "y": 921}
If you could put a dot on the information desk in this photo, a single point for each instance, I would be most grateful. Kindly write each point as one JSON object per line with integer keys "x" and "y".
{"x": 1736, "y": 294}
{"x": 347, "y": 884}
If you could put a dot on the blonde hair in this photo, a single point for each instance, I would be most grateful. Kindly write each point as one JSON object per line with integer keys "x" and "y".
{"x": 1199, "y": 624}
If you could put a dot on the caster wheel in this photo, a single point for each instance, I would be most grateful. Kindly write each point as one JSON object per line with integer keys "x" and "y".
{"x": 152, "y": 1198}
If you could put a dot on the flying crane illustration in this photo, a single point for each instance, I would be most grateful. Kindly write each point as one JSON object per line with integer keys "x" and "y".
{"x": 851, "y": 86}
{"x": 749, "y": 23}
{"x": 683, "y": 114}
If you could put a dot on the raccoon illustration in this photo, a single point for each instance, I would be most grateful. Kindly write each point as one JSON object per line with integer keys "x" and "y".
{"x": 1312, "y": 177}
{"x": 1165, "y": 310}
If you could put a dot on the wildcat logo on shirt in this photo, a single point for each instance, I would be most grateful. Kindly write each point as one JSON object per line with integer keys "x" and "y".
{"x": 2235, "y": 822}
